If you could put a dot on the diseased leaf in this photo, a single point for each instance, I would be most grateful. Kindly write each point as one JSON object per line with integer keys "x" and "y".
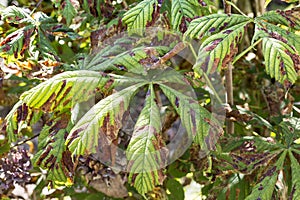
{"x": 146, "y": 152}
{"x": 289, "y": 18}
{"x": 295, "y": 192}
{"x": 281, "y": 60}
{"x": 264, "y": 189}
{"x": 265, "y": 29}
{"x": 107, "y": 112}
{"x": 17, "y": 42}
{"x": 219, "y": 49}
{"x": 137, "y": 17}
{"x": 183, "y": 11}
{"x": 20, "y": 117}
{"x": 212, "y": 24}
{"x": 16, "y": 15}
{"x": 53, "y": 155}
{"x": 65, "y": 89}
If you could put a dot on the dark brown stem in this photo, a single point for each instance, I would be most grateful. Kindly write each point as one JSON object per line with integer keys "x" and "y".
{"x": 228, "y": 76}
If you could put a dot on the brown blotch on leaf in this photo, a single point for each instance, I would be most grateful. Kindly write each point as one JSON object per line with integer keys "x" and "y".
{"x": 44, "y": 154}
{"x": 67, "y": 163}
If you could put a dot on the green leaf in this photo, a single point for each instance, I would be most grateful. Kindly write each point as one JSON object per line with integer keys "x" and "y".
{"x": 182, "y": 9}
{"x": 53, "y": 155}
{"x": 295, "y": 194}
{"x": 289, "y": 18}
{"x": 176, "y": 190}
{"x": 264, "y": 189}
{"x": 107, "y": 113}
{"x": 211, "y": 24}
{"x": 44, "y": 47}
{"x": 137, "y": 17}
{"x": 279, "y": 60}
{"x": 69, "y": 12}
{"x": 146, "y": 151}
{"x": 219, "y": 49}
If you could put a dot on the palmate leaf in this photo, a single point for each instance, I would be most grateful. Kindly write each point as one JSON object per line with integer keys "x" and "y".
{"x": 295, "y": 194}
{"x": 279, "y": 60}
{"x": 211, "y": 24}
{"x": 145, "y": 151}
{"x": 264, "y": 189}
{"x": 137, "y": 17}
{"x": 182, "y": 9}
{"x": 53, "y": 155}
{"x": 106, "y": 113}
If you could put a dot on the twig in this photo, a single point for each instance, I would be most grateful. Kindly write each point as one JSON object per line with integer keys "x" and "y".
{"x": 228, "y": 76}
{"x": 24, "y": 141}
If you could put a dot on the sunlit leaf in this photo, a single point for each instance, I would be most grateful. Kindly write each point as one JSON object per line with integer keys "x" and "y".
{"x": 212, "y": 24}
{"x": 182, "y": 10}
{"x": 66, "y": 89}
{"x": 267, "y": 3}
{"x": 279, "y": 60}
{"x": 145, "y": 151}
{"x": 219, "y": 49}
{"x": 265, "y": 29}
{"x": 20, "y": 117}
{"x": 137, "y": 17}
{"x": 107, "y": 112}
{"x": 16, "y": 15}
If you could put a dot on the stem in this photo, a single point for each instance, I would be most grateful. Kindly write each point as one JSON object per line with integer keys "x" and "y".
{"x": 211, "y": 87}
{"x": 208, "y": 82}
{"x": 246, "y": 50}
{"x": 228, "y": 76}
